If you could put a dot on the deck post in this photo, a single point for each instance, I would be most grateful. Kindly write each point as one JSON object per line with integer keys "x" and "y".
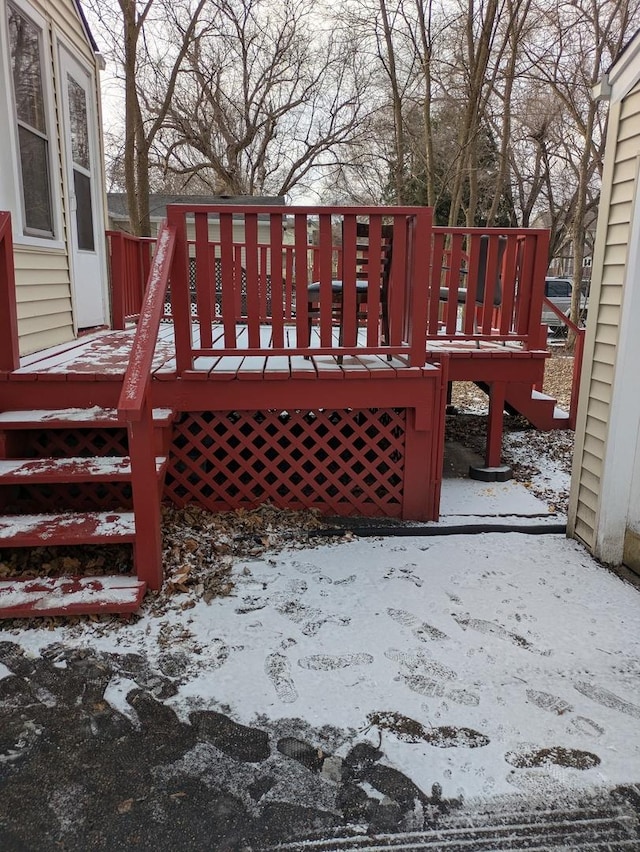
{"x": 118, "y": 310}
{"x": 422, "y": 285}
{"x": 418, "y": 471}
{"x": 493, "y": 471}
{"x": 9, "y": 351}
{"x": 146, "y": 500}
{"x": 180, "y": 295}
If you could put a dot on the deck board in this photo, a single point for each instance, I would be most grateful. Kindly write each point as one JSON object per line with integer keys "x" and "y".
{"x": 103, "y": 357}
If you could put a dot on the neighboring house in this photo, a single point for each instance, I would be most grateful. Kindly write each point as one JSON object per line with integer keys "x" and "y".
{"x": 561, "y": 265}
{"x": 51, "y": 169}
{"x": 604, "y": 510}
{"x": 158, "y": 202}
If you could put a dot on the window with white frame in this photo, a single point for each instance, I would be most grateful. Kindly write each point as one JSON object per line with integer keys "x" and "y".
{"x": 25, "y": 50}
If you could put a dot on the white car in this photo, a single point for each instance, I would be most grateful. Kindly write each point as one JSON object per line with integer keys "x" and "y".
{"x": 558, "y": 291}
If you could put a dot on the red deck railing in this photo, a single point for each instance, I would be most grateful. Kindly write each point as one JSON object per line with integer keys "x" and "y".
{"x": 242, "y": 273}
{"x": 261, "y": 277}
{"x": 9, "y": 356}
{"x": 488, "y": 284}
{"x": 130, "y": 259}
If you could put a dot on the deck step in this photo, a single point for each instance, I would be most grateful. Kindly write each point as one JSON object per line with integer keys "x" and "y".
{"x": 20, "y": 598}
{"x": 68, "y": 528}
{"x": 539, "y": 408}
{"x": 79, "y": 417}
{"x": 64, "y": 470}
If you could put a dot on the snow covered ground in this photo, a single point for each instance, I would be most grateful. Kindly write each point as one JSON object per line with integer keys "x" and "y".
{"x": 413, "y": 672}
{"x": 487, "y": 663}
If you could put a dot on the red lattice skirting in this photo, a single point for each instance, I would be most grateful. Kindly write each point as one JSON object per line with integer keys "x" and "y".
{"x": 342, "y": 462}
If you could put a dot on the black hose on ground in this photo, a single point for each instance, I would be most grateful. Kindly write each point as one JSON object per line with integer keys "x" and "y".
{"x": 377, "y": 530}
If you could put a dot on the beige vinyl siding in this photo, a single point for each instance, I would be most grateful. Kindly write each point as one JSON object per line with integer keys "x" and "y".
{"x": 600, "y": 370}
{"x": 65, "y": 19}
{"x": 43, "y": 296}
{"x": 43, "y": 281}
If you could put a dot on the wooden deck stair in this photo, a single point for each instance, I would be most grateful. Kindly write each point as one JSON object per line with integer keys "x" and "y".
{"x": 64, "y": 453}
{"x": 540, "y": 409}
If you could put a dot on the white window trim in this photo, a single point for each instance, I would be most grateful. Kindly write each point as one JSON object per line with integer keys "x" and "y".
{"x": 17, "y": 208}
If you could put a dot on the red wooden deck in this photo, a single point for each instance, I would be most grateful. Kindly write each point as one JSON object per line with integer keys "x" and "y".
{"x": 266, "y": 405}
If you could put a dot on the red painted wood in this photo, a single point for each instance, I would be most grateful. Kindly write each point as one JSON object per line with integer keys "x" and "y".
{"x": 346, "y": 272}
{"x": 130, "y": 259}
{"x": 69, "y": 528}
{"x": 73, "y": 417}
{"x": 437, "y": 278}
{"x": 538, "y": 408}
{"x": 205, "y": 278}
{"x": 493, "y": 453}
{"x": 118, "y": 278}
{"x": 510, "y": 273}
{"x": 64, "y": 470}
{"x": 9, "y": 355}
{"x": 375, "y": 261}
{"x": 324, "y": 275}
{"x": 301, "y": 278}
{"x": 418, "y": 473}
{"x": 180, "y": 297}
{"x": 420, "y": 229}
{"x": 523, "y": 267}
{"x": 28, "y": 598}
{"x": 146, "y": 501}
{"x": 398, "y": 293}
{"x": 252, "y": 279}
{"x": 227, "y": 279}
{"x": 138, "y": 374}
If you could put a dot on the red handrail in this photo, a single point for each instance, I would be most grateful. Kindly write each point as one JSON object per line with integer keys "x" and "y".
{"x": 9, "y": 353}
{"x": 138, "y": 374}
{"x": 578, "y": 353}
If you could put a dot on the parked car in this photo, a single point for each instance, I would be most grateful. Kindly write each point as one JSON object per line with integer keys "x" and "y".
{"x": 558, "y": 290}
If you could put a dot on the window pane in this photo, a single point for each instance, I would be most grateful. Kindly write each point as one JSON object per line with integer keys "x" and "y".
{"x": 27, "y": 75}
{"x": 79, "y": 126}
{"x": 34, "y": 159}
{"x": 84, "y": 213}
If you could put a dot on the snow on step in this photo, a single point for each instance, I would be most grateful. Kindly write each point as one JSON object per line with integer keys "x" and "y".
{"x": 69, "y": 596}
{"x": 100, "y": 468}
{"x": 95, "y": 416}
{"x": 66, "y": 528}
{"x": 542, "y": 396}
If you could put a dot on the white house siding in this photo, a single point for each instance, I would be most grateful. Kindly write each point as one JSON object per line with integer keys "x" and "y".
{"x": 619, "y": 187}
{"x": 43, "y": 277}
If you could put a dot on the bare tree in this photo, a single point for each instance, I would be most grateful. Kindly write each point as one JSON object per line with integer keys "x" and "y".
{"x": 582, "y": 38}
{"x": 266, "y": 99}
{"x": 150, "y": 53}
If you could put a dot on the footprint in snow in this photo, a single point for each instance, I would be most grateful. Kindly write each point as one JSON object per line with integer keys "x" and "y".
{"x": 431, "y": 688}
{"x": 582, "y": 725}
{"x": 549, "y": 702}
{"x": 412, "y": 731}
{"x": 420, "y": 629}
{"x": 607, "y": 699}
{"x": 493, "y": 629}
{"x": 327, "y": 662}
{"x": 571, "y": 758}
{"x": 419, "y": 663}
{"x": 537, "y": 783}
{"x": 278, "y": 671}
